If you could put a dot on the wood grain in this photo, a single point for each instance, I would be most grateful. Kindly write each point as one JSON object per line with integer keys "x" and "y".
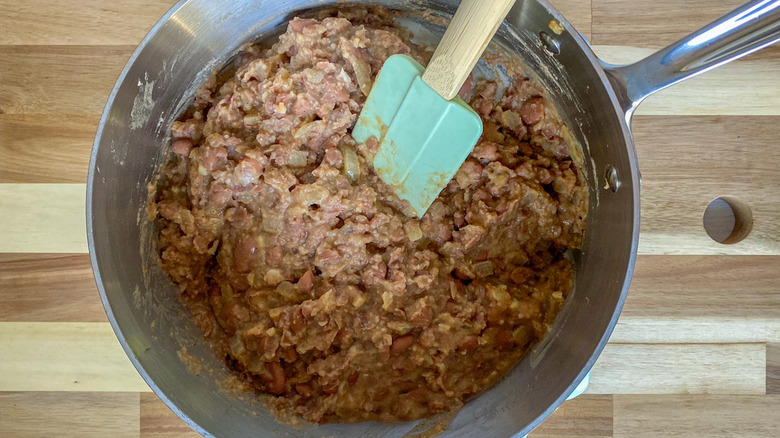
{"x": 77, "y": 415}
{"x": 773, "y": 368}
{"x": 86, "y": 22}
{"x": 160, "y": 422}
{"x": 48, "y": 288}
{"x": 748, "y": 86}
{"x": 58, "y": 79}
{"x": 37, "y": 356}
{"x": 679, "y": 182}
{"x": 48, "y": 218}
{"x": 696, "y": 416}
{"x": 50, "y": 148}
{"x": 653, "y": 24}
{"x": 680, "y": 369}
{"x": 468, "y": 33}
{"x": 689, "y": 329}
{"x": 700, "y": 299}
{"x": 584, "y": 416}
{"x": 743, "y": 287}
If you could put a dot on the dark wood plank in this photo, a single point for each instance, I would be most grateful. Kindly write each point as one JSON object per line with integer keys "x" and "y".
{"x": 773, "y": 368}
{"x": 640, "y": 416}
{"x": 705, "y": 287}
{"x": 69, "y": 414}
{"x": 160, "y": 422}
{"x": 584, "y": 416}
{"x": 701, "y": 299}
{"x": 48, "y": 287}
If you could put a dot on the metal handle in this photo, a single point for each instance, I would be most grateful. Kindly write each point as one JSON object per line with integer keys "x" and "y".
{"x": 750, "y": 27}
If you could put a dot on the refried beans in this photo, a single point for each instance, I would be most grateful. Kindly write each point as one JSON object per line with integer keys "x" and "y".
{"x": 299, "y": 264}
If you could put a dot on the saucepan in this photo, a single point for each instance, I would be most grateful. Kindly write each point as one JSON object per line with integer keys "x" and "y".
{"x": 595, "y": 100}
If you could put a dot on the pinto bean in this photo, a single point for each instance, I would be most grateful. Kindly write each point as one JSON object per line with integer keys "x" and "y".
{"x": 469, "y": 343}
{"x": 306, "y": 282}
{"x": 278, "y": 378}
{"x": 401, "y": 344}
{"x": 182, "y": 146}
{"x": 304, "y": 389}
{"x": 532, "y": 111}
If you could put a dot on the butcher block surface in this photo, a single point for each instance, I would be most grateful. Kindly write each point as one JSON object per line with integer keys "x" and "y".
{"x": 696, "y": 351}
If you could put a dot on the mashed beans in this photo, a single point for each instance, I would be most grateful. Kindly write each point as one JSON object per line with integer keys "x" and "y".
{"x": 299, "y": 264}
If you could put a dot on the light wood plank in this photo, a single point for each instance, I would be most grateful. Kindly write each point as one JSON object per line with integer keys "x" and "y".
{"x": 686, "y": 162}
{"x": 48, "y": 288}
{"x": 62, "y": 356}
{"x": 48, "y": 218}
{"x": 160, "y": 422}
{"x": 773, "y": 368}
{"x": 578, "y": 13}
{"x": 58, "y": 79}
{"x": 77, "y": 415}
{"x": 53, "y": 22}
{"x": 689, "y": 329}
{"x": 638, "y": 416}
{"x": 749, "y": 86}
{"x": 680, "y": 369}
{"x": 653, "y": 24}
{"x": 48, "y": 148}
{"x": 584, "y": 416}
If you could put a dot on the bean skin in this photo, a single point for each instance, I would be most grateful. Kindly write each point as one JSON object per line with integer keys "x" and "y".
{"x": 401, "y": 344}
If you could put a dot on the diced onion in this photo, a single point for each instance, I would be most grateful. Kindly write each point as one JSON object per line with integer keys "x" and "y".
{"x": 273, "y": 277}
{"x": 286, "y": 290}
{"x": 227, "y": 292}
{"x": 413, "y": 231}
{"x": 314, "y": 75}
{"x": 362, "y": 71}
{"x": 237, "y": 347}
{"x": 256, "y": 364}
{"x": 483, "y": 269}
{"x": 510, "y": 119}
{"x": 303, "y": 131}
{"x": 351, "y": 162}
{"x": 298, "y": 159}
{"x": 273, "y": 222}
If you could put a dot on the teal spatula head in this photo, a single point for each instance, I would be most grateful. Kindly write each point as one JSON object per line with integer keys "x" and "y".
{"x": 423, "y": 138}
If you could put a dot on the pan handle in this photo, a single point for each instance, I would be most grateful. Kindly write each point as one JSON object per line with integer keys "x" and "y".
{"x": 750, "y": 27}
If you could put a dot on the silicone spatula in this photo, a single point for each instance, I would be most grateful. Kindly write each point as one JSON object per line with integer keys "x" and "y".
{"x": 425, "y": 131}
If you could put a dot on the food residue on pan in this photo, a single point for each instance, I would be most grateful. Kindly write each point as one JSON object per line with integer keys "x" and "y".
{"x": 555, "y": 26}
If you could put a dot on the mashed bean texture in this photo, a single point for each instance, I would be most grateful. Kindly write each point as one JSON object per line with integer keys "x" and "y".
{"x": 299, "y": 264}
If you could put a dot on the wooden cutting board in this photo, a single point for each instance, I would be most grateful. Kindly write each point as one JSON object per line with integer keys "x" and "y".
{"x": 696, "y": 351}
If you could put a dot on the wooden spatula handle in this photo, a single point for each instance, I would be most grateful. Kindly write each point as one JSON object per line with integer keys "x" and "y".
{"x": 466, "y": 37}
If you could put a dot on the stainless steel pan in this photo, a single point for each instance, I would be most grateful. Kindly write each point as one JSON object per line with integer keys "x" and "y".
{"x": 596, "y": 100}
